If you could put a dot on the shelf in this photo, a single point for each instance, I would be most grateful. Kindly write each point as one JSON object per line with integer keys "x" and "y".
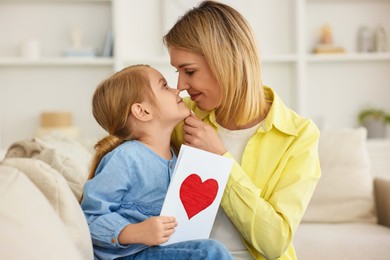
{"x": 314, "y": 85}
{"x": 61, "y": 61}
{"x": 279, "y": 58}
{"x": 55, "y": 1}
{"x": 346, "y": 1}
{"x": 164, "y": 60}
{"x": 348, "y": 57}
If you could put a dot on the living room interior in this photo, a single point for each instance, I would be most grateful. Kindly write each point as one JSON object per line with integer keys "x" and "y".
{"x": 328, "y": 60}
{"x": 58, "y": 47}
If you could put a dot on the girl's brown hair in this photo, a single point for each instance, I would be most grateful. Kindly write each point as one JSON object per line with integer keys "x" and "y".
{"x": 111, "y": 107}
{"x": 225, "y": 39}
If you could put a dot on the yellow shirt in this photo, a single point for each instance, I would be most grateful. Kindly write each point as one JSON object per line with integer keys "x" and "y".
{"x": 267, "y": 195}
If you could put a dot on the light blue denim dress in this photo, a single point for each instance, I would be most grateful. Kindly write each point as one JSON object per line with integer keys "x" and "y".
{"x": 129, "y": 186}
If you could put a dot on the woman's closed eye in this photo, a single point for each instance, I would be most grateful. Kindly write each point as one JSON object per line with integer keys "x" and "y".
{"x": 189, "y": 72}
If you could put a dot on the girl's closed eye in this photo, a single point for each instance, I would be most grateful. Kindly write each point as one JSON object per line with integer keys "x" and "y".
{"x": 165, "y": 85}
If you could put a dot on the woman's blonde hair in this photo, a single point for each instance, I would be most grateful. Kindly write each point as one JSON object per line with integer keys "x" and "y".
{"x": 111, "y": 107}
{"x": 225, "y": 39}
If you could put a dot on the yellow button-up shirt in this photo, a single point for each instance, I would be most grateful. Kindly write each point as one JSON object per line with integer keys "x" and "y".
{"x": 266, "y": 196}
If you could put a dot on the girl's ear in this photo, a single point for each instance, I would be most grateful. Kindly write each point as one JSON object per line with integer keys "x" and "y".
{"x": 141, "y": 111}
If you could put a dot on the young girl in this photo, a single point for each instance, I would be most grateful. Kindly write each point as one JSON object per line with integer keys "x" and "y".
{"x": 131, "y": 171}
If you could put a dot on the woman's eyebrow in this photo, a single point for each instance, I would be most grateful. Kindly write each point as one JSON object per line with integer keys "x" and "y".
{"x": 185, "y": 64}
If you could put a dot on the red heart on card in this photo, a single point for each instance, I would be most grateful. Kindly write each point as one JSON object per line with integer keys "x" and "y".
{"x": 197, "y": 195}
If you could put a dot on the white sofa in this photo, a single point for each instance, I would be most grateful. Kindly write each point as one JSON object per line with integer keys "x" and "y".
{"x": 41, "y": 183}
{"x": 349, "y": 214}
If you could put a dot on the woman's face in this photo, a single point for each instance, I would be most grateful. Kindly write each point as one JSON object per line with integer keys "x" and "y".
{"x": 196, "y": 78}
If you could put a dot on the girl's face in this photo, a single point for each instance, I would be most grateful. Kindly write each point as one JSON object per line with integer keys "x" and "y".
{"x": 171, "y": 105}
{"x": 196, "y": 77}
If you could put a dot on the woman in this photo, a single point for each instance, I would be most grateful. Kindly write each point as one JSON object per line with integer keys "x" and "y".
{"x": 276, "y": 164}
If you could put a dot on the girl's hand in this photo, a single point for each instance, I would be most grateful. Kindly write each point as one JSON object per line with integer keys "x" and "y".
{"x": 157, "y": 230}
{"x": 152, "y": 231}
{"x": 200, "y": 135}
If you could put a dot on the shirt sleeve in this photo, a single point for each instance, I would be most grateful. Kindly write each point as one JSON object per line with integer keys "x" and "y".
{"x": 267, "y": 218}
{"x": 102, "y": 197}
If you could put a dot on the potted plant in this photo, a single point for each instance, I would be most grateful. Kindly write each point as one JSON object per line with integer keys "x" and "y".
{"x": 375, "y": 121}
{"x": 387, "y": 122}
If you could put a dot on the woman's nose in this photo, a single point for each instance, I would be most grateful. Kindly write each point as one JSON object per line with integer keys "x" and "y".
{"x": 181, "y": 85}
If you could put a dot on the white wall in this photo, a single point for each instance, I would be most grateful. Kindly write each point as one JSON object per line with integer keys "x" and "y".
{"x": 330, "y": 92}
{"x": 28, "y": 88}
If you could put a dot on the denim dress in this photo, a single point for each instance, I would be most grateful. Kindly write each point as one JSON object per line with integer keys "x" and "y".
{"x": 129, "y": 186}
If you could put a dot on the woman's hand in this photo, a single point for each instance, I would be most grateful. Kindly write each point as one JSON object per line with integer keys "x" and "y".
{"x": 152, "y": 231}
{"x": 200, "y": 135}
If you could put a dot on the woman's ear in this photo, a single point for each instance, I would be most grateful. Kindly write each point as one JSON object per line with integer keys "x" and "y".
{"x": 141, "y": 111}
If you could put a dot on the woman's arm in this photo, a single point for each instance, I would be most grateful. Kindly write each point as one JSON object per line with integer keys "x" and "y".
{"x": 268, "y": 213}
{"x": 268, "y": 217}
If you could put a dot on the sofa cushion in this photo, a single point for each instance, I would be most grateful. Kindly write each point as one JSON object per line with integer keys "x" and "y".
{"x": 345, "y": 190}
{"x": 68, "y": 168}
{"x": 67, "y": 156}
{"x": 68, "y": 148}
{"x": 57, "y": 192}
{"x": 30, "y": 229}
{"x": 322, "y": 241}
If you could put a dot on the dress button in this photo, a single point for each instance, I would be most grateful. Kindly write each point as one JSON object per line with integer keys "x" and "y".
{"x": 113, "y": 240}
{"x": 170, "y": 165}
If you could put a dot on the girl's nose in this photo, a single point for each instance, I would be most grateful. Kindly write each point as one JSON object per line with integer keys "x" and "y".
{"x": 176, "y": 91}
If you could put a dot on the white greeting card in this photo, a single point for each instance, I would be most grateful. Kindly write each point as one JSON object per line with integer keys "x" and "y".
{"x": 195, "y": 192}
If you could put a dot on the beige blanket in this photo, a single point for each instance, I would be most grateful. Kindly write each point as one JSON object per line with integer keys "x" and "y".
{"x": 65, "y": 155}
{"x": 59, "y": 168}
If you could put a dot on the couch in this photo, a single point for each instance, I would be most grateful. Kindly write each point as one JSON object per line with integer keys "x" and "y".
{"x": 349, "y": 214}
{"x": 41, "y": 181}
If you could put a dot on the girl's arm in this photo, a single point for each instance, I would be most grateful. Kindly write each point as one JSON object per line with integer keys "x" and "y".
{"x": 152, "y": 231}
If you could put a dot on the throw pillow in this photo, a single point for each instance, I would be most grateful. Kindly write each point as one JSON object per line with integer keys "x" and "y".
{"x": 345, "y": 190}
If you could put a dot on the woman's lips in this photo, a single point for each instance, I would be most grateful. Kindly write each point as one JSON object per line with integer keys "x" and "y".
{"x": 195, "y": 96}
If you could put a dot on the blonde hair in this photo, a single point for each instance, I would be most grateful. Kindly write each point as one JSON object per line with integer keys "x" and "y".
{"x": 225, "y": 39}
{"x": 111, "y": 107}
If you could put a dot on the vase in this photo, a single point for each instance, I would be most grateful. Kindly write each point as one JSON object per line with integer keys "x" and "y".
{"x": 376, "y": 128}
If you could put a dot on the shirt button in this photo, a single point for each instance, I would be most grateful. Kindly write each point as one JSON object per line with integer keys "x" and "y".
{"x": 113, "y": 240}
{"x": 170, "y": 165}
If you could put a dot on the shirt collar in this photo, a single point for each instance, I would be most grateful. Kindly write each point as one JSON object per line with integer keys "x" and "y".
{"x": 279, "y": 115}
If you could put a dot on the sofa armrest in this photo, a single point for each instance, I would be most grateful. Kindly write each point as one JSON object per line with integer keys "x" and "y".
{"x": 382, "y": 200}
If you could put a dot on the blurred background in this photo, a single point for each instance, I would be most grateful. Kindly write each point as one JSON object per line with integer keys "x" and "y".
{"x": 328, "y": 60}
